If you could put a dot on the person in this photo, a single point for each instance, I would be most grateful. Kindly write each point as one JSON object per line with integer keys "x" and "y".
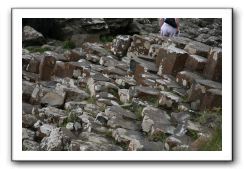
{"x": 169, "y": 27}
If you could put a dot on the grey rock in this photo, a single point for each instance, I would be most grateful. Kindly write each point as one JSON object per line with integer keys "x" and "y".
{"x": 30, "y": 145}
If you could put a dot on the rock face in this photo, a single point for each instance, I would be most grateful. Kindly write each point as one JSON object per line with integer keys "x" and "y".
{"x": 137, "y": 92}
{"x": 32, "y": 37}
{"x": 46, "y": 67}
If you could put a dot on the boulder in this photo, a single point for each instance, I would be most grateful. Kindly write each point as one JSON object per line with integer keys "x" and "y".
{"x": 195, "y": 63}
{"x": 27, "y": 134}
{"x": 168, "y": 99}
{"x": 30, "y": 145}
{"x": 186, "y": 78}
{"x": 213, "y": 68}
{"x": 32, "y": 37}
{"x": 34, "y": 63}
{"x": 140, "y": 46}
{"x": 172, "y": 59}
{"x": 28, "y": 120}
{"x": 211, "y": 99}
{"x": 156, "y": 121}
{"x": 53, "y": 99}
{"x": 46, "y": 67}
{"x": 197, "y": 48}
{"x": 120, "y": 45}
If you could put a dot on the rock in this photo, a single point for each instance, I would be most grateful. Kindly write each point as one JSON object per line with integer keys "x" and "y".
{"x": 27, "y": 89}
{"x": 93, "y": 142}
{"x": 156, "y": 121}
{"x": 94, "y": 25}
{"x": 86, "y": 122}
{"x": 28, "y": 120}
{"x": 29, "y": 145}
{"x": 73, "y": 55}
{"x": 153, "y": 51}
{"x": 33, "y": 65}
{"x": 26, "y": 57}
{"x": 27, "y": 108}
{"x": 197, "y": 48}
{"x": 113, "y": 72}
{"x": 105, "y": 95}
{"x": 46, "y": 67}
{"x": 44, "y": 130}
{"x": 213, "y": 68}
{"x": 95, "y": 49}
{"x": 28, "y": 76}
{"x": 101, "y": 86}
{"x": 32, "y": 37}
{"x": 119, "y": 117}
{"x": 128, "y": 137}
{"x": 57, "y": 141}
{"x": 167, "y": 82}
{"x": 51, "y": 114}
{"x": 62, "y": 69}
{"x": 140, "y": 46}
{"x": 27, "y": 134}
{"x": 147, "y": 65}
{"x": 70, "y": 126}
{"x": 212, "y": 98}
{"x": 180, "y": 117}
{"x": 56, "y": 55}
{"x": 141, "y": 91}
{"x": 53, "y": 99}
{"x": 118, "y": 25}
{"x": 120, "y": 45}
{"x": 195, "y": 105}
{"x": 77, "y": 126}
{"x": 168, "y": 99}
{"x": 75, "y": 94}
{"x": 180, "y": 42}
{"x": 187, "y": 78}
{"x": 74, "y": 105}
{"x": 125, "y": 82}
{"x": 172, "y": 59}
{"x": 195, "y": 63}
{"x": 79, "y": 39}
{"x": 101, "y": 118}
{"x": 199, "y": 88}
{"x": 124, "y": 95}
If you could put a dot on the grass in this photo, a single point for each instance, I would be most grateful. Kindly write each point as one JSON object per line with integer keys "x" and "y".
{"x": 158, "y": 136}
{"x": 72, "y": 117}
{"x": 106, "y": 38}
{"x": 91, "y": 100}
{"x": 151, "y": 100}
{"x": 193, "y": 134}
{"x": 68, "y": 44}
{"x": 215, "y": 143}
{"x": 37, "y": 49}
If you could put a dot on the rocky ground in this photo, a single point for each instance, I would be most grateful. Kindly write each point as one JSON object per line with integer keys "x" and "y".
{"x": 139, "y": 92}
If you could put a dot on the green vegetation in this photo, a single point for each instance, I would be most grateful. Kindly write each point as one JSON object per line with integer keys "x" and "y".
{"x": 106, "y": 38}
{"x": 72, "y": 117}
{"x": 215, "y": 143}
{"x": 37, "y": 49}
{"x": 193, "y": 134}
{"x": 151, "y": 100}
{"x": 91, "y": 100}
{"x": 68, "y": 44}
{"x": 158, "y": 136}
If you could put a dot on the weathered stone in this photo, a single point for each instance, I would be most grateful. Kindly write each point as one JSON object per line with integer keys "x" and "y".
{"x": 153, "y": 51}
{"x": 27, "y": 89}
{"x": 108, "y": 61}
{"x": 177, "y": 143}
{"x": 100, "y": 86}
{"x": 101, "y": 118}
{"x": 140, "y": 46}
{"x": 197, "y": 48}
{"x": 75, "y": 94}
{"x": 28, "y": 76}
{"x": 168, "y": 99}
{"x": 62, "y": 69}
{"x": 34, "y": 63}
{"x": 180, "y": 130}
{"x": 213, "y": 68}
{"x": 44, "y": 130}
{"x": 27, "y": 134}
{"x": 106, "y": 102}
{"x": 32, "y": 37}
{"x": 141, "y": 91}
{"x": 51, "y": 114}
{"x": 156, "y": 121}
{"x": 120, "y": 45}
{"x": 28, "y": 120}
{"x": 70, "y": 126}
{"x": 119, "y": 117}
{"x": 172, "y": 59}
{"x": 53, "y": 99}
{"x": 180, "y": 42}
{"x": 46, "y": 67}
{"x": 195, "y": 63}
{"x": 111, "y": 70}
{"x": 74, "y": 105}
{"x": 125, "y": 82}
{"x": 167, "y": 82}
{"x": 128, "y": 137}
{"x": 92, "y": 58}
{"x": 58, "y": 56}
{"x": 186, "y": 78}
{"x": 105, "y": 95}
{"x": 73, "y": 55}
{"x": 180, "y": 117}
{"x": 95, "y": 49}
{"x": 183, "y": 107}
{"x": 212, "y": 98}
{"x": 27, "y": 108}
{"x": 86, "y": 122}
{"x": 195, "y": 105}
{"x": 29, "y": 145}
{"x": 199, "y": 88}
{"x": 58, "y": 140}
{"x": 124, "y": 95}
{"x": 26, "y": 57}
{"x": 79, "y": 39}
